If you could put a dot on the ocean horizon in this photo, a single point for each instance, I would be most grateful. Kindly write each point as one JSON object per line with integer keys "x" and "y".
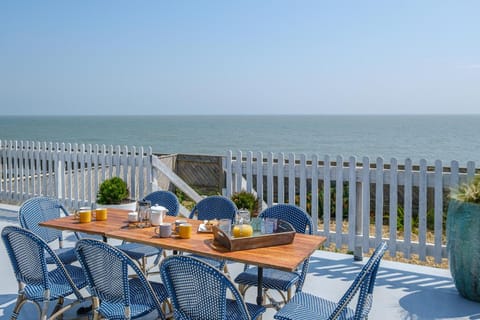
{"x": 429, "y": 137}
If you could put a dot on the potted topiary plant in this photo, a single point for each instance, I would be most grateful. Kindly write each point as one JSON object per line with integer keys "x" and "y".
{"x": 463, "y": 238}
{"x": 246, "y": 200}
{"x": 114, "y": 192}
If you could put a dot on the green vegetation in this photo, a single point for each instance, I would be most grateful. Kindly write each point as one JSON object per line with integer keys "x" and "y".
{"x": 246, "y": 200}
{"x": 468, "y": 192}
{"x": 112, "y": 191}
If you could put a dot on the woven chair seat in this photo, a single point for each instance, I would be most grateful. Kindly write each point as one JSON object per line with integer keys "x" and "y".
{"x": 66, "y": 255}
{"x": 219, "y": 264}
{"x": 137, "y": 251}
{"x": 233, "y": 311}
{"x": 305, "y": 306}
{"x": 139, "y": 302}
{"x": 272, "y": 278}
{"x": 59, "y": 287}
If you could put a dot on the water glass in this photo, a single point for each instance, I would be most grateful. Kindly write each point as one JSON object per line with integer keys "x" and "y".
{"x": 226, "y": 226}
{"x": 269, "y": 225}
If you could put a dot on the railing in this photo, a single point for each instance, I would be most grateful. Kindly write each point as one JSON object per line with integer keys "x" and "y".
{"x": 70, "y": 172}
{"x": 365, "y": 203}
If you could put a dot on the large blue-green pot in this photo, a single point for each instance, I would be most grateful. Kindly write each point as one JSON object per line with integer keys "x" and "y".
{"x": 463, "y": 247}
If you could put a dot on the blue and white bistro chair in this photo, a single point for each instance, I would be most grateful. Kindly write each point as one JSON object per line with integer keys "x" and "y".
{"x": 40, "y": 209}
{"x": 214, "y": 207}
{"x": 305, "y": 306}
{"x": 115, "y": 294}
{"x": 38, "y": 282}
{"x": 199, "y": 291}
{"x": 273, "y": 279}
{"x": 165, "y": 199}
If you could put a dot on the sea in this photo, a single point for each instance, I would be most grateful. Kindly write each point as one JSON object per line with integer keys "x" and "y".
{"x": 415, "y": 137}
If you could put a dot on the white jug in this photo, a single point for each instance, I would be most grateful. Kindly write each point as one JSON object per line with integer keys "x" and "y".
{"x": 157, "y": 215}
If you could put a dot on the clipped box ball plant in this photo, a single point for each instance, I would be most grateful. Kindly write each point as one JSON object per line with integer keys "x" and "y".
{"x": 112, "y": 191}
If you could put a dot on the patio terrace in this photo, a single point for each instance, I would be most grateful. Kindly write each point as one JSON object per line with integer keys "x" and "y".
{"x": 403, "y": 291}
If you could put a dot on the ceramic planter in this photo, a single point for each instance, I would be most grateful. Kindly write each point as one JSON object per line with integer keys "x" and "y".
{"x": 463, "y": 247}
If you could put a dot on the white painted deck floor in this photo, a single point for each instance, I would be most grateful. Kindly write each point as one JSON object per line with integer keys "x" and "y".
{"x": 403, "y": 291}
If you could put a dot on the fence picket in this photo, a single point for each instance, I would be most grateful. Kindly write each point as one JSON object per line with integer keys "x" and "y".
{"x": 291, "y": 178}
{"x": 379, "y": 187}
{"x": 393, "y": 207}
{"x": 249, "y": 170}
{"x": 352, "y": 203}
{"x": 422, "y": 210}
{"x": 326, "y": 198}
{"x": 366, "y": 204}
{"x": 407, "y": 208}
{"x": 438, "y": 210}
{"x": 259, "y": 165}
{"x": 314, "y": 192}
{"x": 339, "y": 202}
{"x": 280, "y": 178}
{"x": 270, "y": 189}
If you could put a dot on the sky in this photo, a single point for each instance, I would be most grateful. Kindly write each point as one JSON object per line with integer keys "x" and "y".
{"x": 239, "y": 57}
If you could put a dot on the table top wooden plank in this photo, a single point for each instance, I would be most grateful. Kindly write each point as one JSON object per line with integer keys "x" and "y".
{"x": 284, "y": 257}
{"x": 116, "y": 218}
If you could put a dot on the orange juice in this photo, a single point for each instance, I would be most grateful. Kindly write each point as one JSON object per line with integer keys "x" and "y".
{"x": 242, "y": 230}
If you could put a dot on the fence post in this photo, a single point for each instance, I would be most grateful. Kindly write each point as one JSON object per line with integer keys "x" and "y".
{"x": 59, "y": 179}
{"x": 358, "y": 250}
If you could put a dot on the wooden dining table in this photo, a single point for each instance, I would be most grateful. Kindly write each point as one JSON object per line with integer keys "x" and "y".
{"x": 286, "y": 257}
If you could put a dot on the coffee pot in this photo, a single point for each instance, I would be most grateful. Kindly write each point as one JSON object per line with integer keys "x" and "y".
{"x": 144, "y": 213}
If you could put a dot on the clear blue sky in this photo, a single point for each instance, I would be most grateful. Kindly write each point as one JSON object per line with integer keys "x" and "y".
{"x": 239, "y": 57}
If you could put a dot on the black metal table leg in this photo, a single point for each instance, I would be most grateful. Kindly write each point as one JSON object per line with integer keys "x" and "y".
{"x": 259, "y": 286}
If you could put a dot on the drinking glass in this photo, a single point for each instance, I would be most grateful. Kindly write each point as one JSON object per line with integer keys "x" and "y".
{"x": 226, "y": 226}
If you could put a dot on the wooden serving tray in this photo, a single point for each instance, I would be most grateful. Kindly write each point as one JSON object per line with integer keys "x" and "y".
{"x": 284, "y": 234}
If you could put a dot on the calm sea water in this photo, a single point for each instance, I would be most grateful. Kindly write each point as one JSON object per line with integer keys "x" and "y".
{"x": 432, "y": 138}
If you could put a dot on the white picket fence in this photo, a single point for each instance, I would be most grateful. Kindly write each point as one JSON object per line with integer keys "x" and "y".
{"x": 73, "y": 172}
{"x": 284, "y": 176}
{"x": 70, "y": 172}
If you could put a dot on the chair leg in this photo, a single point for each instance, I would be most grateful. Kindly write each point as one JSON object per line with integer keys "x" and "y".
{"x": 289, "y": 294}
{"x": 18, "y": 305}
{"x": 43, "y": 315}
{"x": 225, "y": 270}
{"x": 95, "y": 304}
{"x": 242, "y": 289}
{"x": 144, "y": 265}
{"x": 167, "y": 305}
{"x": 274, "y": 303}
{"x": 59, "y": 305}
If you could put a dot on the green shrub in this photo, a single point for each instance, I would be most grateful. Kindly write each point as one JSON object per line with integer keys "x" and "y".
{"x": 112, "y": 191}
{"x": 245, "y": 200}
